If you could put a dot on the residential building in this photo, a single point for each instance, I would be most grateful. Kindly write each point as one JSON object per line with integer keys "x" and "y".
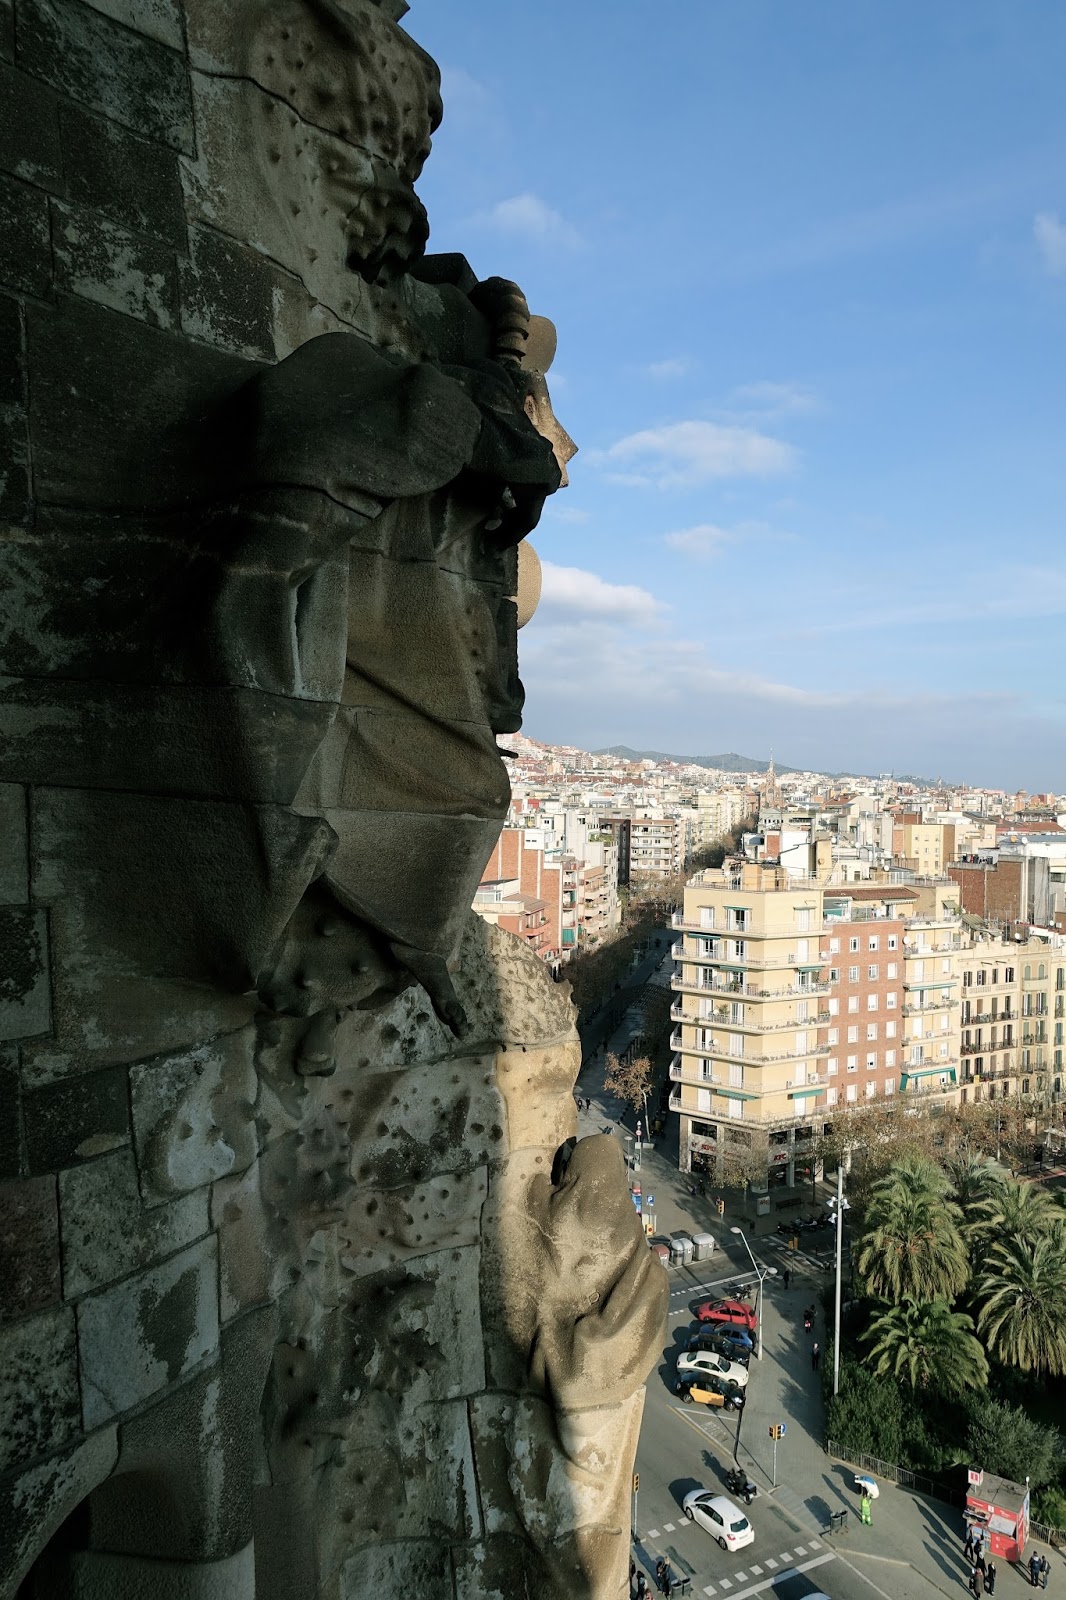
{"x": 657, "y": 845}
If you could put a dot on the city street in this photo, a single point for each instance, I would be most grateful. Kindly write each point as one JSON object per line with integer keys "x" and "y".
{"x": 913, "y": 1548}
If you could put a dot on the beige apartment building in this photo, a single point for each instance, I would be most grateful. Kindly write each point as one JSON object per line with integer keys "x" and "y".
{"x": 750, "y": 1019}
{"x": 797, "y": 1001}
{"x": 1013, "y": 1015}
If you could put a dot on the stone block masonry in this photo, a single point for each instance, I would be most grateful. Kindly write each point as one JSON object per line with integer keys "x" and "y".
{"x": 296, "y": 1299}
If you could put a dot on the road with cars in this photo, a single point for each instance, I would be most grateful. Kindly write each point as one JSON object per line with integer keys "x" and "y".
{"x": 793, "y": 1554}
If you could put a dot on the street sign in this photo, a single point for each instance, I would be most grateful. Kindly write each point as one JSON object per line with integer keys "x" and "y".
{"x": 974, "y": 1475}
{"x": 650, "y": 1201}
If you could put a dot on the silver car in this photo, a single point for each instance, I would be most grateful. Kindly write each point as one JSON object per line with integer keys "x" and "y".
{"x": 708, "y": 1364}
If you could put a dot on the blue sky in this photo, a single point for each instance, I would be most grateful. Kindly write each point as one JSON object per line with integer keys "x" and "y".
{"x": 808, "y": 268}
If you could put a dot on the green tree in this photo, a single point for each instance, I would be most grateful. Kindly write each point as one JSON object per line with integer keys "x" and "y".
{"x": 974, "y": 1177}
{"x": 867, "y": 1413}
{"x": 1013, "y": 1210}
{"x": 1005, "y": 1440}
{"x": 912, "y": 1248}
{"x": 1020, "y": 1294}
{"x": 929, "y": 1346}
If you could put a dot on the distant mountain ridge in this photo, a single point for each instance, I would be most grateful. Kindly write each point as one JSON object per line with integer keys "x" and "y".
{"x": 725, "y": 763}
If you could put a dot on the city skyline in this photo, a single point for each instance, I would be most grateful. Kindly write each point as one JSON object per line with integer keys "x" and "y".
{"x": 808, "y": 333}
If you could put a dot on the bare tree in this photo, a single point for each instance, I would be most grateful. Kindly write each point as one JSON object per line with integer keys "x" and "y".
{"x": 629, "y": 1080}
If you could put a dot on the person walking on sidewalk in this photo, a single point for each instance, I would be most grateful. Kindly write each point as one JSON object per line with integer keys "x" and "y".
{"x": 968, "y": 1547}
{"x": 975, "y": 1583}
{"x": 1034, "y": 1569}
{"x": 816, "y": 1355}
{"x": 787, "y": 1278}
{"x": 990, "y": 1578}
{"x": 980, "y": 1563}
{"x": 1045, "y": 1571}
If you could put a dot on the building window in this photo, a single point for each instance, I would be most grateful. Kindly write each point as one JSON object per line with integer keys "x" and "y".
{"x": 871, "y": 1088}
{"x": 706, "y": 916}
{"x": 853, "y": 944}
{"x": 853, "y": 1063}
{"x": 871, "y": 973}
{"x": 834, "y": 1006}
{"x": 890, "y": 1083}
{"x": 834, "y": 974}
{"x": 853, "y": 1002}
{"x": 871, "y": 1030}
{"x": 981, "y": 979}
{"x": 871, "y": 1002}
{"x": 803, "y": 919}
{"x": 853, "y": 1092}
{"x": 945, "y": 967}
{"x": 871, "y": 1061}
{"x": 831, "y": 1066}
{"x": 736, "y": 1075}
{"x": 890, "y": 999}
{"x": 853, "y": 1034}
{"x": 831, "y": 1095}
{"x": 890, "y": 1030}
{"x": 833, "y": 1036}
{"x": 873, "y": 942}
{"x": 736, "y": 1109}
{"x": 834, "y": 947}
{"x": 890, "y": 970}
{"x": 893, "y": 941}
{"x": 967, "y": 980}
{"x": 890, "y": 1058}
{"x": 1060, "y": 977}
{"x": 853, "y": 974}
{"x": 1008, "y": 975}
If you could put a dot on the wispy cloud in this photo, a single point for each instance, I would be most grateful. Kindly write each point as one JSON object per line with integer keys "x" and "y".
{"x": 554, "y": 512}
{"x": 672, "y": 367}
{"x": 463, "y": 94}
{"x": 1050, "y": 235}
{"x": 684, "y": 455}
{"x": 703, "y": 541}
{"x": 767, "y": 401}
{"x": 1018, "y": 594}
{"x": 586, "y": 594}
{"x": 527, "y": 216}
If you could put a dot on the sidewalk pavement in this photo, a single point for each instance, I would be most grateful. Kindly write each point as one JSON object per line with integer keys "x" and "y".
{"x": 913, "y": 1540}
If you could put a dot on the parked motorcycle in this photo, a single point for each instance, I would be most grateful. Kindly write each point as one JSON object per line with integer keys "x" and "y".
{"x": 740, "y": 1484}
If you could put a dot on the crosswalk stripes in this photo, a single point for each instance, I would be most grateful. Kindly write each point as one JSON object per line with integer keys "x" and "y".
{"x": 771, "y": 1563}
{"x": 786, "y": 1560}
{"x": 668, "y": 1527}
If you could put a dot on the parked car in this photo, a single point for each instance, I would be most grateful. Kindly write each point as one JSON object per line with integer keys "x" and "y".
{"x": 720, "y": 1517}
{"x": 733, "y": 1312}
{"x": 711, "y": 1365}
{"x": 695, "y": 1389}
{"x": 733, "y": 1343}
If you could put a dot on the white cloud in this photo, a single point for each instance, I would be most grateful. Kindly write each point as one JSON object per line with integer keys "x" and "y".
{"x": 570, "y": 589}
{"x": 673, "y": 367}
{"x": 1050, "y": 236}
{"x": 564, "y": 513}
{"x": 703, "y": 541}
{"x": 462, "y": 94}
{"x": 767, "y": 399}
{"x": 527, "y": 216}
{"x": 683, "y": 455}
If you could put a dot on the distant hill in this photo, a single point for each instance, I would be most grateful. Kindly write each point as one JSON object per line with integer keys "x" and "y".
{"x": 727, "y": 763}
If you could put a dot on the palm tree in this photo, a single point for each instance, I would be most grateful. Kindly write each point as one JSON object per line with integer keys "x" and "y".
{"x": 1013, "y": 1210}
{"x": 929, "y": 1345}
{"x": 912, "y": 1248}
{"x": 974, "y": 1178}
{"x": 1021, "y": 1299}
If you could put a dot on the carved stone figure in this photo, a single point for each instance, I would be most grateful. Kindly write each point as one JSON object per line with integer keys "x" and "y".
{"x": 313, "y": 1293}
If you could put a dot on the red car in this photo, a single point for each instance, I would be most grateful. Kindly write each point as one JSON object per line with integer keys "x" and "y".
{"x": 734, "y": 1312}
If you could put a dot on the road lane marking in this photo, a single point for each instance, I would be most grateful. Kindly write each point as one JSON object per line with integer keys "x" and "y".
{"x": 816, "y": 1544}
{"x": 770, "y": 1562}
{"x": 756, "y": 1570}
{"x": 668, "y": 1527}
{"x": 865, "y": 1579}
{"x": 792, "y": 1572}
{"x": 738, "y": 1577}
{"x": 800, "y": 1550}
{"x": 708, "y": 1588}
{"x": 725, "y": 1583}
{"x": 653, "y": 1533}
{"x": 784, "y": 1557}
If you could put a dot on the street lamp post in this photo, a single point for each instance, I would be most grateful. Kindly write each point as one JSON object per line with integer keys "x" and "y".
{"x": 761, "y": 1273}
{"x": 840, "y": 1205}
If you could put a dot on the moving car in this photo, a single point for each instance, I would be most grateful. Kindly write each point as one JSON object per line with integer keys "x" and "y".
{"x": 694, "y": 1388}
{"x": 732, "y": 1312}
{"x": 733, "y": 1343}
{"x": 720, "y": 1517}
{"x": 708, "y": 1363}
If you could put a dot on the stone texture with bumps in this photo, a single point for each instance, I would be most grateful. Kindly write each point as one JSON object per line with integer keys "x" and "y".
{"x": 297, "y": 1299}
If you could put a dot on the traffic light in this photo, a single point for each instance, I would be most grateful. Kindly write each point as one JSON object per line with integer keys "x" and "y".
{"x": 636, "y": 1482}
{"x": 719, "y": 1205}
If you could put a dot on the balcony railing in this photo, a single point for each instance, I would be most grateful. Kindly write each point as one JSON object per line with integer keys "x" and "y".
{"x": 987, "y": 1016}
{"x": 674, "y": 1102}
{"x": 748, "y": 990}
{"x": 937, "y": 1005}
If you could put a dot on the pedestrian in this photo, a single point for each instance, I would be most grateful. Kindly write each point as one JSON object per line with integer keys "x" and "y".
{"x": 642, "y": 1586}
{"x": 660, "y": 1568}
{"x": 1045, "y": 1571}
{"x": 975, "y": 1582}
{"x": 816, "y": 1355}
{"x": 990, "y": 1578}
{"x": 968, "y": 1547}
{"x": 788, "y": 1278}
{"x": 1034, "y": 1569}
{"x": 980, "y": 1563}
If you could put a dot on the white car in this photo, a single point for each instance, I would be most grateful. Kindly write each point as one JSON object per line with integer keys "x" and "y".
{"x": 713, "y": 1365}
{"x": 719, "y": 1516}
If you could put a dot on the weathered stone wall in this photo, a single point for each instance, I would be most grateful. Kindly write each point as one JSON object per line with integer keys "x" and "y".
{"x": 305, "y": 1290}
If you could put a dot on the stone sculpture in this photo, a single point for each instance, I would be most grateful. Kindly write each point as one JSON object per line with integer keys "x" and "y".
{"x": 309, "y": 1291}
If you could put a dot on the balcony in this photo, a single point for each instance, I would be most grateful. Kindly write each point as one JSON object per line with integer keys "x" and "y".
{"x": 938, "y": 1005}
{"x": 986, "y": 1016}
{"x": 675, "y": 1039}
{"x": 680, "y": 1074}
{"x": 747, "y": 990}
{"x": 674, "y": 1102}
